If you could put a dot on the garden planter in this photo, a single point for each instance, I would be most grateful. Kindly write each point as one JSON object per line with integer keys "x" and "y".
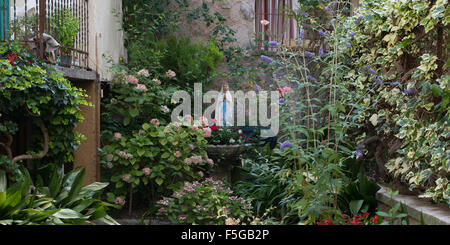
{"x": 227, "y": 159}
{"x": 65, "y": 61}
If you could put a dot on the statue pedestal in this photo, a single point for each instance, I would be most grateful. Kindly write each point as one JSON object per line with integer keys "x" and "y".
{"x": 227, "y": 159}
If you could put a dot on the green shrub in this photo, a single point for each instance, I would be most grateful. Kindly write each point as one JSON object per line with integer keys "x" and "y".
{"x": 62, "y": 201}
{"x": 210, "y": 202}
{"x": 192, "y": 62}
{"x": 31, "y": 91}
{"x": 156, "y": 156}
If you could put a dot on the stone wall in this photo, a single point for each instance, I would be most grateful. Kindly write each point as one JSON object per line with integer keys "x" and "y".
{"x": 240, "y": 15}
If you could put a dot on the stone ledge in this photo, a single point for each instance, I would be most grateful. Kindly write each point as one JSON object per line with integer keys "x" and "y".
{"x": 76, "y": 73}
{"x": 432, "y": 214}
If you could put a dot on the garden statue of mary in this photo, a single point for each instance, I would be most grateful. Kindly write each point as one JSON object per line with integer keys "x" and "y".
{"x": 224, "y": 107}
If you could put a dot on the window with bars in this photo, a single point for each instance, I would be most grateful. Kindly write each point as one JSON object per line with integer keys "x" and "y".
{"x": 281, "y": 28}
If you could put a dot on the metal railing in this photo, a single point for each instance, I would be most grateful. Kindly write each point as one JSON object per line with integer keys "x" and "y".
{"x": 55, "y": 30}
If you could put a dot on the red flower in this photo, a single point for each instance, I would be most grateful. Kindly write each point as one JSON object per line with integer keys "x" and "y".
{"x": 29, "y": 62}
{"x": 327, "y": 221}
{"x": 248, "y": 138}
{"x": 355, "y": 221}
{"x": 375, "y": 219}
{"x": 318, "y": 223}
{"x": 213, "y": 127}
{"x": 365, "y": 215}
{"x": 280, "y": 91}
{"x": 241, "y": 135}
{"x": 12, "y": 58}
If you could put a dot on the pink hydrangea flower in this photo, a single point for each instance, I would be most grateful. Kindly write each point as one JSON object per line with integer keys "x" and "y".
{"x": 287, "y": 89}
{"x": 155, "y": 122}
{"x": 146, "y": 171}
{"x": 188, "y": 118}
{"x": 125, "y": 155}
{"x": 207, "y": 132}
{"x": 200, "y": 173}
{"x": 191, "y": 146}
{"x": 210, "y": 162}
{"x": 109, "y": 165}
{"x": 204, "y": 121}
{"x": 119, "y": 201}
{"x": 109, "y": 157}
{"x": 117, "y": 136}
{"x": 126, "y": 178}
{"x": 144, "y": 73}
{"x": 165, "y": 109}
{"x": 177, "y": 154}
{"x": 170, "y": 74}
{"x": 157, "y": 81}
{"x": 188, "y": 161}
{"x": 132, "y": 79}
{"x": 194, "y": 127}
{"x": 141, "y": 87}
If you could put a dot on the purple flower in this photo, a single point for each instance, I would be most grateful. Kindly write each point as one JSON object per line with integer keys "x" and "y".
{"x": 285, "y": 144}
{"x": 359, "y": 153}
{"x": 281, "y": 100}
{"x": 258, "y": 87}
{"x": 366, "y": 68}
{"x": 357, "y": 21}
{"x": 351, "y": 34}
{"x": 348, "y": 45}
{"x": 302, "y": 34}
{"x": 411, "y": 91}
{"x": 320, "y": 52}
{"x": 311, "y": 78}
{"x": 335, "y": 4}
{"x": 309, "y": 54}
{"x": 377, "y": 81}
{"x": 372, "y": 72}
{"x": 273, "y": 43}
{"x": 395, "y": 83}
{"x": 266, "y": 59}
{"x": 322, "y": 33}
{"x": 303, "y": 13}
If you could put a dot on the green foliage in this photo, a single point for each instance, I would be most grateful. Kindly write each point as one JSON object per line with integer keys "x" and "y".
{"x": 205, "y": 203}
{"x": 156, "y": 156}
{"x": 64, "y": 201}
{"x": 264, "y": 183}
{"x": 402, "y": 41}
{"x": 229, "y": 136}
{"x": 133, "y": 99}
{"x": 192, "y": 62}
{"x": 65, "y": 28}
{"x": 32, "y": 91}
{"x": 358, "y": 197}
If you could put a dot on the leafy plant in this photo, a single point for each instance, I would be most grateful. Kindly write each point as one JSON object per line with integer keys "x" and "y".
{"x": 393, "y": 214}
{"x": 32, "y": 92}
{"x": 65, "y": 201}
{"x": 64, "y": 27}
{"x": 359, "y": 196}
{"x": 207, "y": 202}
{"x": 158, "y": 156}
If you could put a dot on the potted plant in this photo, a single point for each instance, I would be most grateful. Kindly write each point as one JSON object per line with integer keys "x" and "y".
{"x": 226, "y": 145}
{"x": 64, "y": 27}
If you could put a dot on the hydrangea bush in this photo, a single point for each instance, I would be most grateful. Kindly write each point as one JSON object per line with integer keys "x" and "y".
{"x": 204, "y": 203}
{"x": 158, "y": 158}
